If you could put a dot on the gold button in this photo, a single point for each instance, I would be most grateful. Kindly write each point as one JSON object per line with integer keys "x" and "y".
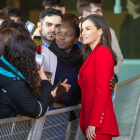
{"x": 100, "y": 121}
{"x": 101, "y": 117}
{"x": 103, "y": 114}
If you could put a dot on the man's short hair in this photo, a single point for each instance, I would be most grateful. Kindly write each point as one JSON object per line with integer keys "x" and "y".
{"x": 49, "y": 12}
{"x": 83, "y": 5}
{"x": 12, "y": 11}
{"x": 53, "y": 3}
{"x": 4, "y": 15}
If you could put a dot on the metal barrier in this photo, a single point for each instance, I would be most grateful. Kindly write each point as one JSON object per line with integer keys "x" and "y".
{"x": 55, "y": 124}
{"x": 126, "y": 107}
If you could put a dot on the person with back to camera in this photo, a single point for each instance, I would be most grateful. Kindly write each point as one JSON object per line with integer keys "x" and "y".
{"x": 130, "y": 31}
{"x": 97, "y": 117}
{"x": 21, "y": 91}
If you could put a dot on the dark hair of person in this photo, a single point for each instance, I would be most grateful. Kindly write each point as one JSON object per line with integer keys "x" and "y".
{"x": 84, "y": 5}
{"x": 136, "y": 2}
{"x": 20, "y": 52}
{"x": 53, "y": 3}
{"x": 4, "y": 15}
{"x": 12, "y": 11}
{"x": 49, "y": 12}
{"x": 70, "y": 17}
{"x": 17, "y": 25}
{"x": 81, "y": 19}
{"x": 7, "y": 8}
{"x": 5, "y": 35}
{"x": 75, "y": 27}
{"x": 100, "y": 23}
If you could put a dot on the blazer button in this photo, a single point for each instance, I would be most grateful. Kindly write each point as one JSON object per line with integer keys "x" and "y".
{"x": 103, "y": 114}
{"x": 78, "y": 77}
{"x": 101, "y": 117}
{"x": 100, "y": 121}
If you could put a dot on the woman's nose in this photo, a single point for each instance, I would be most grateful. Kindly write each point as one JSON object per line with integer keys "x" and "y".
{"x": 83, "y": 32}
{"x": 62, "y": 37}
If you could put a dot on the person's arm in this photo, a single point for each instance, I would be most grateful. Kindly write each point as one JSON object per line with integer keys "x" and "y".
{"x": 117, "y": 50}
{"x": 104, "y": 65}
{"x": 28, "y": 105}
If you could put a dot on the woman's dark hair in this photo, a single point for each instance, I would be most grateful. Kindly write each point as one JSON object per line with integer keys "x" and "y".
{"x": 136, "y": 2}
{"x": 5, "y": 35}
{"x": 75, "y": 27}
{"x": 71, "y": 18}
{"x": 20, "y": 52}
{"x": 100, "y": 23}
{"x": 81, "y": 19}
{"x": 17, "y": 25}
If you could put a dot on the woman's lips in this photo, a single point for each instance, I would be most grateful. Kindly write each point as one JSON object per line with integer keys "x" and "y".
{"x": 61, "y": 42}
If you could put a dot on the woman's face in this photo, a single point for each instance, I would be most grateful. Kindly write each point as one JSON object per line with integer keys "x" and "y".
{"x": 90, "y": 34}
{"x": 131, "y": 7}
{"x": 66, "y": 37}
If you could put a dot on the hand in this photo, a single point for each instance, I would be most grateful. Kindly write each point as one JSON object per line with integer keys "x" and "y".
{"x": 115, "y": 87}
{"x": 42, "y": 74}
{"x": 90, "y": 133}
{"x": 112, "y": 83}
{"x": 67, "y": 86}
{"x": 53, "y": 93}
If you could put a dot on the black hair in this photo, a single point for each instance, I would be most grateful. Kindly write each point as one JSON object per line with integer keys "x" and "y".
{"x": 50, "y": 12}
{"x": 12, "y": 11}
{"x": 17, "y": 25}
{"x": 83, "y": 5}
{"x": 69, "y": 17}
{"x": 75, "y": 27}
{"x": 53, "y": 3}
{"x": 4, "y": 15}
{"x": 81, "y": 19}
{"x": 7, "y": 8}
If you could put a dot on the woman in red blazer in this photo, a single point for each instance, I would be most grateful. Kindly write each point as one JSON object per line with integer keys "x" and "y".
{"x": 97, "y": 117}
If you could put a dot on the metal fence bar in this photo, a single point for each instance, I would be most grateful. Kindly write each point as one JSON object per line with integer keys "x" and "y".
{"x": 31, "y": 125}
{"x": 135, "y": 121}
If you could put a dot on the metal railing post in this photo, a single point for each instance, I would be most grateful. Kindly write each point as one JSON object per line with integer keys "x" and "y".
{"x": 135, "y": 120}
{"x": 31, "y": 126}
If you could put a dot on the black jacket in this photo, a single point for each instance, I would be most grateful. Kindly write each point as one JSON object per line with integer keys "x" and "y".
{"x": 16, "y": 97}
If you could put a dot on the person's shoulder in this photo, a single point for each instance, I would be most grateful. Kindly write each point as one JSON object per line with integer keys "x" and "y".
{"x": 45, "y": 50}
{"x": 36, "y": 32}
{"x": 102, "y": 50}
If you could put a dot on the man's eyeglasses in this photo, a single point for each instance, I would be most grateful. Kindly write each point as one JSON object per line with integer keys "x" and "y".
{"x": 98, "y": 11}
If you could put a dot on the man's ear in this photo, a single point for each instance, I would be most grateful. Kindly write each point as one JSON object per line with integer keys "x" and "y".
{"x": 39, "y": 26}
{"x": 85, "y": 13}
{"x": 63, "y": 10}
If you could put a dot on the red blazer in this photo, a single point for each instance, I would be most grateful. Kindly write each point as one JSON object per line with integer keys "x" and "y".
{"x": 94, "y": 80}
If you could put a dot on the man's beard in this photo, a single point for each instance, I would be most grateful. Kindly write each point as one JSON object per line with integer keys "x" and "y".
{"x": 48, "y": 38}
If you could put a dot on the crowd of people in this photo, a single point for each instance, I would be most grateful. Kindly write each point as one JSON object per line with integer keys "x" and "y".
{"x": 84, "y": 53}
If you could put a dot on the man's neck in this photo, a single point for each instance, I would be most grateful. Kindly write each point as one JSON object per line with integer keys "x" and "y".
{"x": 46, "y": 41}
